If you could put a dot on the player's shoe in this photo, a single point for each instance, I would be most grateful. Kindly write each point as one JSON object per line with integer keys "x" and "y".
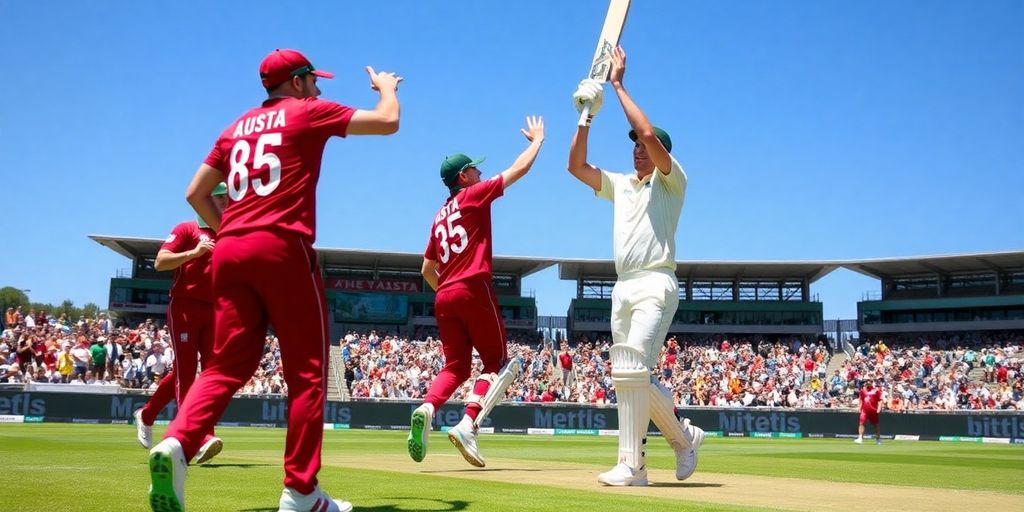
{"x": 463, "y": 436}
{"x": 859, "y": 440}
{"x": 878, "y": 441}
{"x": 209, "y": 450}
{"x": 622, "y": 475}
{"x": 419, "y": 433}
{"x": 167, "y": 467}
{"x": 686, "y": 459}
{"x": 143, "y": 432}
{"x": 316, "y": 501}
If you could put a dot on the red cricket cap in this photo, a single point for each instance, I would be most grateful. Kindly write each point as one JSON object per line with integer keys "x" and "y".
{"x": 280, "y": 65}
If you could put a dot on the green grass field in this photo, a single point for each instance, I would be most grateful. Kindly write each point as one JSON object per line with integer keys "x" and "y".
{"x": 101, "y": 467}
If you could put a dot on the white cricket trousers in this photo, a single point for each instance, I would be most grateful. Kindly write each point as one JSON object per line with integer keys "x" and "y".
{"x": 643, "y": 304}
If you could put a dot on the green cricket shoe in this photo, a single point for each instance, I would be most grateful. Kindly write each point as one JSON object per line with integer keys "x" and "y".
{"x": 167, "y": 467}
{"x": 419, "y": 433}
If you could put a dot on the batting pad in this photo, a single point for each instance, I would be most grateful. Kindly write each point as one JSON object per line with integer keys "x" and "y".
{"x": 664, "y": 416}
{"x": 632, "y": 380}
{"x": 496, "y": 393}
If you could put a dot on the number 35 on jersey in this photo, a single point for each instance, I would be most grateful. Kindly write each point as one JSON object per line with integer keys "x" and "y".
{"x": 447, "y": 231}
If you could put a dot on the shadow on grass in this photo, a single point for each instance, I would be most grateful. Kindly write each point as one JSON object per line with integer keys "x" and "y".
{"x": 243, "y": 466}
{"x": 450, "y": 506}
{"x": 685, "y": 485}
{"x": 495, "y": 470}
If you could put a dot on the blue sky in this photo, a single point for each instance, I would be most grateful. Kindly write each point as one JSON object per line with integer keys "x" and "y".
{"x": 809, "y": 130}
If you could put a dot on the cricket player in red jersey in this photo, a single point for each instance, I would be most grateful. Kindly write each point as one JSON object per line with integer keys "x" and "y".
{"x": 187, "y": 251}
{"x": 265, "y": 271}
{"x": 457, "y": 265}
{"x": 870, "y": 405}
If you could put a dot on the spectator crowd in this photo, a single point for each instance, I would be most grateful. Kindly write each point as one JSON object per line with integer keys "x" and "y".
{"x": 941, "y": 373}
{"x": 920, "y": 374}
{"x": 36, "y": 347}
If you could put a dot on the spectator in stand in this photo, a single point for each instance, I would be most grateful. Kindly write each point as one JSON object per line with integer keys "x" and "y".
{"x": 565, "y": 364}
{"x": 350, "y": 375}
{"x": 81, "y": 356}
{"x": 99, "y": 357}
{"x": 25, "y": 354}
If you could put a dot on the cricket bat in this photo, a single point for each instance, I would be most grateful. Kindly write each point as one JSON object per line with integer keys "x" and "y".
{"x": 601, "y": 65}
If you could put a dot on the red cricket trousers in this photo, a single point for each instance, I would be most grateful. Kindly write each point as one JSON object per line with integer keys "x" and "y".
{"x": 191, "y": 324}
{"x": 467, "y": 317}
{"x": 262, "y": 278}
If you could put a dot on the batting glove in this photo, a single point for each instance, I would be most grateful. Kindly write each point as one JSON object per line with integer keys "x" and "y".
{"x": 589, "y": 91}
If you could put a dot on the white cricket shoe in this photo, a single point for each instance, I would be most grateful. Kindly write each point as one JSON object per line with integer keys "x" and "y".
{"x": 143, "y": 432}
{"x": 167, "y": 467}
{"x": 209, "y": 450}
{"x": 419, "y": 431}
{"x": 859, "y": 440}
{"x": 316, "y": 501}
{"x": 878, "y": 441}
{"x": 622, "y": 475}
{"x": 463, "y": 436}
{"x": 686, "y": 459}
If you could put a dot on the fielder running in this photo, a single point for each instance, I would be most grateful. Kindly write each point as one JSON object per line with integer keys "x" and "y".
{"x": 187, "y": 251}
{"x": 647, "y": 205}
{"x": 457, "y": 264}
{"x": 265, "y": 270}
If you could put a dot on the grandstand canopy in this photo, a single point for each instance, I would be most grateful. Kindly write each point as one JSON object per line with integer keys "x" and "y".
{"x": 132, "y": 247}
{"x": 513, "y": 265}
{"x": 129, "y": 247}
{"x": 894, "y": 268}
{"x": 711, "y": 270}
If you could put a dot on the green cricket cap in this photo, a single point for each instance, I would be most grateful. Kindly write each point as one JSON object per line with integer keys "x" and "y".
{"x": 453, "y": 165}
{"x": 220, "y": 190}
{"x": 658, "y": 132}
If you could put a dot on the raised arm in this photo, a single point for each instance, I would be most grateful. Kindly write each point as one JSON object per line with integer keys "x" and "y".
{"x": 578, "y": 165}
{"x": 198, "y": 195}
{"x": 636, "y": 117}
{"x": 534, "y": 133}
{"x": 383, "y": 119}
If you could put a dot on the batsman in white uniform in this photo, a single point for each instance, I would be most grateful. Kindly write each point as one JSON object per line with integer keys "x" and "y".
{"x": 647, "y": 205}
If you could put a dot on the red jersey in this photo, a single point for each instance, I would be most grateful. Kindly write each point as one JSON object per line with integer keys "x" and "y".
{"x": 271, "y": 161}
{"x": 194, "y": 279}
{"x": 869, "y": 400}
{"x": 565, "y": 360}
{"x": 460, "y": 238}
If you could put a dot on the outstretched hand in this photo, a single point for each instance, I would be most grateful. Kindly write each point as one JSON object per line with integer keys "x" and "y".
{"x": 534, "y": 131}
{"x": 383, "y": 80}
{"x": 618, "y": 66}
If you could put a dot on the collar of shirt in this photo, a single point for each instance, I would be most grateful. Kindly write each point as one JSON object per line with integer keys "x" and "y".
{"x": 646, "y": 181}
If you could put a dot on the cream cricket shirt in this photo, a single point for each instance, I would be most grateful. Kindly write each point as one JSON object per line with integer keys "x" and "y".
{"x": 646, "y": 216}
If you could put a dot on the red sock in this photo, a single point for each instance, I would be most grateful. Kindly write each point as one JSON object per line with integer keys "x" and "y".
{"x": 480, "y": 388}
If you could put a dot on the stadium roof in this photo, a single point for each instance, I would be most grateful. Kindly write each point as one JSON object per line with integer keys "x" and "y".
{"x": 515, "y": 265}
{"x": 890, "y": 268}
{"x": 133, "y": 247}
{"x": 882, "y": 268}
{"x": 711, "y": 270}
{"x": 129, "y": 247}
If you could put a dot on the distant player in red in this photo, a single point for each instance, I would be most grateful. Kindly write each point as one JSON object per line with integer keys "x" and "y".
{"x": 187, "y": 251}
{"x": 457, "y": 264}
{"x": 870, "y": 405}
{"x": 265, "y": 270}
